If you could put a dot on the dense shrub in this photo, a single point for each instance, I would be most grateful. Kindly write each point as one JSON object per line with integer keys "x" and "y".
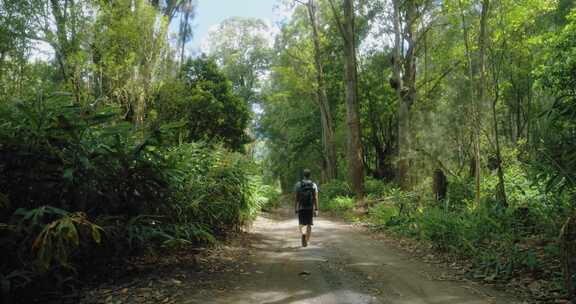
{"x": 79, "y": 183}
{"x": 443, "y": 228}
{"x": 499, "y": 241}
{"x": 339, "y": 205}
{"x": 383, "y": 214}
{"x": 63, "y": 166}
{"x": 214, "y": 189}
{"x": 459, "y": 191}
{"x": 95, "y": 161}
{"x": 333, "y": 189}
{"x": 376, "y": 188}
{"x": 270, "y": 195}
{"x": 203, "y": 101}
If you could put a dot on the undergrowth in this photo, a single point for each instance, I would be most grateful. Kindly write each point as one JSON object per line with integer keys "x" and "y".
{"x": 80, "y": 184}
{"x": 500, "y": 242}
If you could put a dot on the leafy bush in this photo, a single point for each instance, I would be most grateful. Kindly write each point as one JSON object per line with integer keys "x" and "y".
{"x": 459, "y": 191}
{"x": 202, "y": 100}
{"x": 97, "y": 162}
{"x": 333, "y": 189}
{"x": 214, "y": 191}
{"x": 441, "y": 227}
{"x": 62, "y": 165}
{"x": 77, "y": 182}
{"x": 40, "y": 243}
{"x": 269, "y": 195}
{"x": 339, "y": 205}
{"x": 382, "y": 214}
{"x": 376, "y": 188}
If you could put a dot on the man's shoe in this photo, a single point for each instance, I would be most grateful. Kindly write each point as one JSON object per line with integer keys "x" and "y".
{"x": 304, "y": 243}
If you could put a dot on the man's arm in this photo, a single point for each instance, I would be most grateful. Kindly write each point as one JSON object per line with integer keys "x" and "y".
{"x": 296, "y": 202}
{"x": 315, "y": 200}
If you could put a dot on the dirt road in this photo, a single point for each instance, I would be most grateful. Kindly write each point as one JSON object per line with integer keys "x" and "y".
{"x": 340, "y": 265}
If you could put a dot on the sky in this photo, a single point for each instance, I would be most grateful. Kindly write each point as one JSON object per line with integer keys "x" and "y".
{"x": 210, "y": 13}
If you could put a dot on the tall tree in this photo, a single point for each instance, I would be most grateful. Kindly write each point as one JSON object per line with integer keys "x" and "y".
{"x": 16, "y": 27}
{"x": 378, "y": 111}
{"x": 185, "y": 32}
{"x": 409, "y": 32}
{"x": 168, "y": 8}
{"x": 328, "y": 141}
{"x": 202, "y": 98}
{"x": 483, "y": 43}
{"x": 354, "y": 142}
{"x": 242, "y": 47}
{"x": 64, "y": 25}
{"x": 130, "y": 44}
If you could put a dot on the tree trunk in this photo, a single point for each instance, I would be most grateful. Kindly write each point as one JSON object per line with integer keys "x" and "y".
{"x": 475, "y": 104}
{"x": 405, "y": 84}
{"x": 61, "y": 47}
{"x": 328, "y": 141}
{"x": 185, "y": 31}
{"x": 501, "y": 191}
{"x": 482, "y": 44}
{"x": 403, "y": 144}
{"x": 439, "y": 185}
{"x": 66, "y": 43}
{"x": 355, "y": 163}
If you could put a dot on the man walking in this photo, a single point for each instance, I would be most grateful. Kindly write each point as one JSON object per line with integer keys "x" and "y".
{"x": 306, "y": 205}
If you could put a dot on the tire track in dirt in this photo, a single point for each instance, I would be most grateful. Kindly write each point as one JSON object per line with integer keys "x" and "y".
{"x": 341, "y": 265}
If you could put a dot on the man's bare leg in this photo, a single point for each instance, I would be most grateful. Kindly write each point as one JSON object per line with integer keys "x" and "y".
{"x": 303, "y": 235}
{"x": 308, "y": 232}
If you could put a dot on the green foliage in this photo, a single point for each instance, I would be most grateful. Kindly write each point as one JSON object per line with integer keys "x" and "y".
{"x": 129, "y": 43}
{"x": 65, "y": 166}
{"x": 202, "y": 99}
{"x": 214, "y": 191}
{"x": 378, "y": 116}
{"x": 341, "y": 205}
{"x": 459, "y": 191}
{"x": 557, "y": 76}
{"x": 383, "y": 215}
{"x": 62, "y": 165}
{"x": 377, "y": 188}
{"x": 269, "y": 195}
{"x": 96, "y": 161}
{"x": 498, "y": 241}
{"x": 333, "y": 189}
{"x": 59, "y": 237}
{"x": 290, "y": 120}
{"x": 242, "y": 45}
{"x": 444, "y": 229}
{"x": 40, "y": 242}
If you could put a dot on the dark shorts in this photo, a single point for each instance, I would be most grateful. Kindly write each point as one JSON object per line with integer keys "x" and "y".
{"x": 305, "y": 217}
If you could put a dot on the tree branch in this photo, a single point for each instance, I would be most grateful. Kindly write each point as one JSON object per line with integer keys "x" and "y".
{"x": 338, "y": 21}
{"x": 439, "y": 79}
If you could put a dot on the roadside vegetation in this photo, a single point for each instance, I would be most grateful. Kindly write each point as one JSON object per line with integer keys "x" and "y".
{"x": 519, "y": 244}
{"x": 452, "y": 122}
{"x": 467, "y": 127}
{"x": 113, "y": 149}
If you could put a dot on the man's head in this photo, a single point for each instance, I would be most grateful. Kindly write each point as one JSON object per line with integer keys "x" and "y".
{"x": 306, "y": 173}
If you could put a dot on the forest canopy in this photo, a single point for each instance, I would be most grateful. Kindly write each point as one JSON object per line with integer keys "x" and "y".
{"x": 450, "y": 121}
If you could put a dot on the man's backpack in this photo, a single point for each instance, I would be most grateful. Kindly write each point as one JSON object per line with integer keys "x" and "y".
{"x": 306, "y": 195}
